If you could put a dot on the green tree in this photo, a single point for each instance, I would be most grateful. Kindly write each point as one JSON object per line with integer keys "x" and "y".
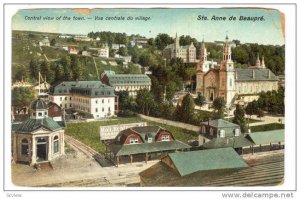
{"x": 162, "y": 40}
{"x": 200, "y": 100}
{"x": 145, "y": 101}
{"x": 53, "y": 42}
{"x": 34, "y": 68}
{"x": 252, "y": 108}
{"x": 239, "y": 117}
{"x": 219, "y": 106}
{"x": 22, "y": 97}
{"x": 187, "y": 108}
{"x": 123, "y": 51}
{"x": 47, "y": 71}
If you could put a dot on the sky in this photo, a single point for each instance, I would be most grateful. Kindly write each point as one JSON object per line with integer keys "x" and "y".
{"x": 171, "y": 21}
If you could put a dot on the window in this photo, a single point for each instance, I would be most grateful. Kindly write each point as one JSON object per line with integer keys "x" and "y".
{"x": 66, "y": 98}
{"x": 96, "y": 101}
{"x": 203, "y": 130}
{"x": 102, "y": 109}
{"x": 222, "y": 133}
{"x": 134, "y": 141}
{"x": 236, "y": 132}
{"x": 149, "y": 140}
{"x": 96, "y": 110}
{"x": 60, "y": 98}
{"x": 55, "y": 144}
{"x": 211, "y": 132}
{"x": 102, "y": 101}
{"x": 230, "y": 83}
{"x": 25, "y": 147}
{"x": 40, "y": 114}
{"x": 165, "y": 138}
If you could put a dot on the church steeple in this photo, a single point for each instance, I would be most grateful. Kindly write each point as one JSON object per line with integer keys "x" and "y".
{"x": 202, "y": 58}
{"x": 177, "y": 46}
{"x": 226, "y": 50}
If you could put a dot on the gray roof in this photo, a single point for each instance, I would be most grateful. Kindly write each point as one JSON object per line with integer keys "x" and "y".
{"x": 130, "y": 149}
{"x": 234, "y": 142}
{"x": 86, "y": 88}
{"x": 128, "y": 79}
{"x": 266, "y": 137}
{"x": 220, "y": 123}
{"x": 261, "y": 74}
{"x": 204, "y": 160}
{"x": 30, "y": 125}
{"x": 38, "y": 104}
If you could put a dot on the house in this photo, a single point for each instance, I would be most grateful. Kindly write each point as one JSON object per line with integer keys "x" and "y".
{"x": 82, "y": 38}
{"x": 72, "y": 49}
{"x": 90, "y": 97}
{"x": 103, "y": 52}
{"x": 38, "y": 139}
{"x": 117, "y": 46}
{"x": 42, "y": 89}
{"x": 126, "y": 82}
{"x": 86, "y": 53}
{"x": 55, "y": 111}
{"x": 63, "y": 36}
{"x": 149, "y": 141}
{"x": 44, "y": 42}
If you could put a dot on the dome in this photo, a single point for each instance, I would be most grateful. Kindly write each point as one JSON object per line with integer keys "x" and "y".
{"x": 38, "y": 104}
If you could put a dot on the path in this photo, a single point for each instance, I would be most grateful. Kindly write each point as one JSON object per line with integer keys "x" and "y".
{"x": 266, "y": 120}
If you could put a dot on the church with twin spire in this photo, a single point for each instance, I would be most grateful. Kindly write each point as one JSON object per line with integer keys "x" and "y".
{"x": 223, "y": 80}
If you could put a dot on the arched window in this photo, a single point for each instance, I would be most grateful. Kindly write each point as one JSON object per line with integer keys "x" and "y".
{"x": 55, "y": 144}
{"x": 25, "y": 147}
{"x": 203, "y": 130}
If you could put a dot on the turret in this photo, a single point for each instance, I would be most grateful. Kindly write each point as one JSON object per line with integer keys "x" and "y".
{"x": 257, "y": 61}
{"x": 263, "y": 62}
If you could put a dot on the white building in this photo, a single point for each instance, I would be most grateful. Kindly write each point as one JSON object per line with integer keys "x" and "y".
{"x": 82, "y": 38}
{"x": 126, "y": 82}
{"x": 90, "y": 97}
{"x": 45, "y": 42}
{"x": 117, "y": 46}
{"x": 103, "y": 52}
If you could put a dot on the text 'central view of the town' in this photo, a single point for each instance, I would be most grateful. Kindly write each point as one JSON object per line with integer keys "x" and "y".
{"x": 115, "y": 109}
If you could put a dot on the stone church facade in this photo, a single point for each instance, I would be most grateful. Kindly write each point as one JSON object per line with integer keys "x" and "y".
{"x": 186, "y": 53}
{"x": 226, "y": 81}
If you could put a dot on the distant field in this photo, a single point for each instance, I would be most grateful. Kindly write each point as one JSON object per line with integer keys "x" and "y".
{"x": 88, "y": 133}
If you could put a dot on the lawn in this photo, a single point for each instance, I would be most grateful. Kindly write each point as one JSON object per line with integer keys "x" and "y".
{"x": 267, "y": 127}
{"x": 88, "y": 132}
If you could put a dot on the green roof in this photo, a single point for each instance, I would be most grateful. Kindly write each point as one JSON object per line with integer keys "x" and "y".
{"x": 267, "y": 137}
{"x": 86, "y": 88}
{"x": 204, "y": 160}
{"x": 246, "y": 74}
{"x": 130, "y": 149}
{"x": 234, "y": 142}
{"x": 30, "y": 125}
{"x": 220, "y": 123}
{"x": 128, "y": 79}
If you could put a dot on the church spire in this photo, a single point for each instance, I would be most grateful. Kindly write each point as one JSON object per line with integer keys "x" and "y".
{"x": 226, "y": 50}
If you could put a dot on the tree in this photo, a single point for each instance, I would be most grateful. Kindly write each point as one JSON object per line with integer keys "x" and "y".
{"x": 252, "y": 108}
{"x": 239, "y": 117}
{"x": 34, "y": 68}
{"x": 200, "y": 100}
{"x": 124, "y": 100}
{"x": 53, "y": 42}
{"x": 260, "y": 113}
{"x": 162, "y": 40}
{"x": 187, "y": 108}
{"x": 46, "y": 71}
{"x": 123, "y": 51}
{"x": 219, "y": 106}
{"x": 22, "y": 97}
{"x": 145, "y": 101}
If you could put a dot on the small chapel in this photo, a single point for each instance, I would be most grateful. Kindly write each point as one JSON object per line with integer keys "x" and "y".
{"x": 39, "y": 138}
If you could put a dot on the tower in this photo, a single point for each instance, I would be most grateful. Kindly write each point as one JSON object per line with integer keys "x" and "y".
{"x": 176, "y": 46}
{"x": 227, "y": 75}
{"x": 39, "y": 109}
{"x": 202, "y": 67}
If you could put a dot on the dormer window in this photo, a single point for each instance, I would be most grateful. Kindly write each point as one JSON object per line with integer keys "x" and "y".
{"x": 149, "y": 140}
{"x": 134, "y": 141}
{"x": 222, "y": 133}
{"x": 236, "y": 132}
{"x": 165, "y": 138}
{"x": 211, "y": 131}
